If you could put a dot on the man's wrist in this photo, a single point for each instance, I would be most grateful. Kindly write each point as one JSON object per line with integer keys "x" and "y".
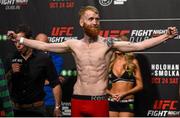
{"x": 57, "y": 106}
{"x": 166, "y": 36}
{"x": 21, "y": 40}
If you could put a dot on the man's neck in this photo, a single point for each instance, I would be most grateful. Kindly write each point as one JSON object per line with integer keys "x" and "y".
{"x": 27, "y": 54}
{"x": 89, "y": 39}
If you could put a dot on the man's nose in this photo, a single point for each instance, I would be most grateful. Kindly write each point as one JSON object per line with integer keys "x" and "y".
{"x": 95, "y": 22}
{"x": 17, "y": 44}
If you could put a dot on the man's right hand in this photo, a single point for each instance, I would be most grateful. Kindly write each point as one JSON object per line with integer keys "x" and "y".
{"x": 16, "y": 67}
{"x": 12, "y": 35}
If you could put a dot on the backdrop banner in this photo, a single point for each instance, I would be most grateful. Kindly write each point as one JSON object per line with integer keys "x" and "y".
{"x": 137, "y": 19}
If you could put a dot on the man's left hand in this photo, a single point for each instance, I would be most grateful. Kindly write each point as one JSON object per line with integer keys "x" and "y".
{"x": 172, "y": 32}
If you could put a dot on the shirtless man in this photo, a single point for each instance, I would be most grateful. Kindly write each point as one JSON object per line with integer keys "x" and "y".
{"x": 92, "y": 56}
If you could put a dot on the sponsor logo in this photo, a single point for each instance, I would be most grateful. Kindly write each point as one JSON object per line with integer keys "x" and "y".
{"x": 59, "y": 39}
{"x": 69, "y": 73}
{"x": 61, "y": 4}
{"x": 135, "y": 35}
{"x": 113, "y": 33}
{"x": 119, "y": 2}
{"x": 138, "y": 35}
{"x": 173, "y": 113}
{"x": 13, "y": 4}
{"x": 157, "y": 113}
{"x": 61, "y": 33}
{"x": 109, "y": 2}
{"x": 105, "y": 2}
{"x": 98, "y": 97}
{"x": 164, "y": 108}
{"x": 165, "y": 105}
{"x": 3, "y": 37}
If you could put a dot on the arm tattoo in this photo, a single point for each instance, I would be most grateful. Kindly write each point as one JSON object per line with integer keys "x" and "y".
{"x": 110, "y": 41}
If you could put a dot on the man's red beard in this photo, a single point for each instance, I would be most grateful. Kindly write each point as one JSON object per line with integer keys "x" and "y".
{"x": 91, "y": 31}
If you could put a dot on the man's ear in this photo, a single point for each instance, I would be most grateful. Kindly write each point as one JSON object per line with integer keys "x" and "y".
{"x": 81, "y": 22}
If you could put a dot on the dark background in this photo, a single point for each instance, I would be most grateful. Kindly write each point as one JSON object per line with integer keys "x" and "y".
{"x": 132, "y": 15}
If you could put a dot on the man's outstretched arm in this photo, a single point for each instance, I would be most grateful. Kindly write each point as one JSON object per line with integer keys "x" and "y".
{"x": 126, "y": 46}
{"x": 39, "y": 45}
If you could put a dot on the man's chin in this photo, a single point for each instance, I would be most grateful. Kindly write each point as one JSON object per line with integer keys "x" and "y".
{"x": 93, "y": 34}
{"x": 91, "y": 31}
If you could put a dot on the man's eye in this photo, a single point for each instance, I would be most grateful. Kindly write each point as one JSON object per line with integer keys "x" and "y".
{"x": 91, "y": 19}
{"x": 97, "y": 18}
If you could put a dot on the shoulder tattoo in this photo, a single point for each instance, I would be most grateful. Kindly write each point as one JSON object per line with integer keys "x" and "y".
{"x": 109, "y": 41}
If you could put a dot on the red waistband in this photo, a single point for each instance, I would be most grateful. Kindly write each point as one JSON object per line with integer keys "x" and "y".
{"x": 86, "y": 97}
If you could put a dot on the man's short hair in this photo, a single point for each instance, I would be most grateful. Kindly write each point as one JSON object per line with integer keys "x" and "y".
{"x": 84, "y": 9}
{"x": 25, "y": 29}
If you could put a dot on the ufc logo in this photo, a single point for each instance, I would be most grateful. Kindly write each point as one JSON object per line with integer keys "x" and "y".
{"x": 113, "y": 33}
{"x": 62, "y": 31}
{"x": 165, "y": 104}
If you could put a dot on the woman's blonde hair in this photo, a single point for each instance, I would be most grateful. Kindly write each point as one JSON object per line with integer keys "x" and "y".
{"x": 129, "y": 57}
{"x": 129, "y": 66}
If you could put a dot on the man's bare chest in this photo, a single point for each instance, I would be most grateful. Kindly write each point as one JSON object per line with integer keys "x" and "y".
{"x": 90, "y": 53}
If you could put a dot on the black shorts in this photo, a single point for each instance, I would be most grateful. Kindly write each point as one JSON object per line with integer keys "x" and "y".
{"x": 121, "y": 106}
